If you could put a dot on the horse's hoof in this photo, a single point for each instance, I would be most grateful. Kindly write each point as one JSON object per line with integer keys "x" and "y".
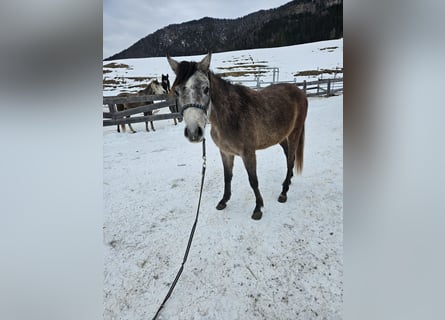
{"x": 282, "y": 198}
{"x": 257, "y": 215}
{"x": 221, "y": 206}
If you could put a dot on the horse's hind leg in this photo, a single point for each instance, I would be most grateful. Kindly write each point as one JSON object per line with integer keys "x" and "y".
{"x": 131, "y": 128}
{"x": 289, "y": 145}
{"x": 120, "y": 127}
{"x": 227, "y": 160}
{"x": 285, "y": 147}
{"x": 249, "y": 160}
{"x": 284, "y": 144}
{"x": 146, "y": 122}
{"x": 289, "y": 174}
{"x": 149, "y": 113}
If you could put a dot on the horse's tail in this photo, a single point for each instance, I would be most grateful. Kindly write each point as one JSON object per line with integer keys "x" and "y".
{"x": 299, "y": 153}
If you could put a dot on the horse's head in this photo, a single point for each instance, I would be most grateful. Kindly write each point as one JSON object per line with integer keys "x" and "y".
{"x": 156, "y": 88}
{"x": 165, "y": 82}
{"x": 192, "y": 90}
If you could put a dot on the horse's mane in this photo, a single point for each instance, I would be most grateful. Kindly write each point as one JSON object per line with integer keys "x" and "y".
{"x": 185, "y": 70}
{"x": 224, "y": 87}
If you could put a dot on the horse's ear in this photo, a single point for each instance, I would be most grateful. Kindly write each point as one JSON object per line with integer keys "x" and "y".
{"x": 204, "y": 64}
{"x": 173, "y": 64}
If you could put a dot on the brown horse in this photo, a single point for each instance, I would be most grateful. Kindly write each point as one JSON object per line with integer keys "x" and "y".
{"x": 242, "y": 120}
{"x": 153, "y": 88}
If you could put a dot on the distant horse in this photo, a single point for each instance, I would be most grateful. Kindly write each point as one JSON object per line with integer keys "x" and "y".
{"x": 166, "y": 85}
{"x": 153, "y": 88}
{"x": 242, "y": 120}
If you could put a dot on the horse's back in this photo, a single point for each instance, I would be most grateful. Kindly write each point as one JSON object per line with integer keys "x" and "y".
{"x": 288, "y": 99}
{"x": 275, "y": 112}
{"x": 287, "y": 91}
{"x": 284, "y": 98}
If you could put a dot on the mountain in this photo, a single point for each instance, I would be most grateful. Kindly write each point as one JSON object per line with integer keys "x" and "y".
{"x": 299, "y": 21}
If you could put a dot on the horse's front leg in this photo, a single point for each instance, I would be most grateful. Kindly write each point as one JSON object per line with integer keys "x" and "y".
{"x": 227, "y": 160}
{"x": 249, "y": 160}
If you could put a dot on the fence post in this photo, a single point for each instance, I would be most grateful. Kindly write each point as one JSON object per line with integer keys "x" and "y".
{"x": 304, "y": 86}
{"x": 328, "y": 93}
{"x": 112, "y": 108}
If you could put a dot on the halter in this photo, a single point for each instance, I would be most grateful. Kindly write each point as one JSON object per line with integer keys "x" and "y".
{"x": 193, "y": 105}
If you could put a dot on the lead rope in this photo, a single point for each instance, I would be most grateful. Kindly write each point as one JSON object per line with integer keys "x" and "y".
{"x": 191, "y": 233}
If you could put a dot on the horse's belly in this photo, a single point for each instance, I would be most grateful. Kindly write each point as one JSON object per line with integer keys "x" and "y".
{"x": 227, "y": 148}
{"x": 237, "y": 144}
{"x": 224, "y": 144}
{"x": 268, "y": 140}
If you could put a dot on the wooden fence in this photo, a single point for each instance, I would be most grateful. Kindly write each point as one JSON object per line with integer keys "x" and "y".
{"x": 321, "y": 87}
{"x": 114, "y": 117}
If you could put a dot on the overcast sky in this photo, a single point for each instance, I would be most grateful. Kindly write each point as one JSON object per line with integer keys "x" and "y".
{"x": 125, "y": 22}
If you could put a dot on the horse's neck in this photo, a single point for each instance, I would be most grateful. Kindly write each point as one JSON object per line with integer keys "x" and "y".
{"x": 219, "y": 89}
{"x": 146, "y": 91}
{"x": 214, "y": 94}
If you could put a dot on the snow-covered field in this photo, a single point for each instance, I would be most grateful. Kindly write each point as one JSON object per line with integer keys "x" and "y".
{"x": 316, "y": 56}
{"x": 288, "y": 265}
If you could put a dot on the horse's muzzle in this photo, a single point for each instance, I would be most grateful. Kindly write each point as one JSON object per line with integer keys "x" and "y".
{"x": 194, "y": 135}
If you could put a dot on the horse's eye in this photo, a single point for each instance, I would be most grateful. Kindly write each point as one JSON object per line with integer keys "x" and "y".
{"x": 206, "y": 90}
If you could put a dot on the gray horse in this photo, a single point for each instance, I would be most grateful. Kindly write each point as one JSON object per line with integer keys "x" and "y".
{"x": 242, "y": 121}
{"x": 153, "y": 88}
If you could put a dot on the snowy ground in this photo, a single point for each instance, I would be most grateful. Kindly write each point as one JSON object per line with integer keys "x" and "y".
{"x": 288, "y": 265}
{"x": 322, "y": 55}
